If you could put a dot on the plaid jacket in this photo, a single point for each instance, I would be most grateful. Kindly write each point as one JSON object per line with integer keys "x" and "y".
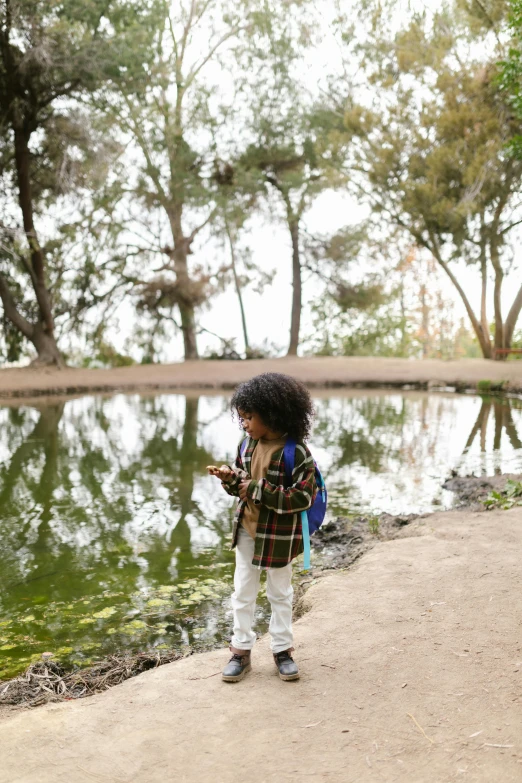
{"x": 279, "y": 536}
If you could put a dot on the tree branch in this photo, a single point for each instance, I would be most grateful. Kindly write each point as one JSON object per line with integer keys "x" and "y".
{"x": 10, "y": 310}
{"x": 477, "y": 326}
{"x": 151, "y": 168}
{"x": 512, "y": 317}
{"x": 186, "y": 31}
{"x": 197, "y": 67}
{"x": 196, "y": 231}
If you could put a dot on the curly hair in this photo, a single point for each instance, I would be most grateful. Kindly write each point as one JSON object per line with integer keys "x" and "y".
{"x": 282, "y": 402}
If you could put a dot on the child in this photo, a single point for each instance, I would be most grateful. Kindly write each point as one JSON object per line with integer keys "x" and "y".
{"x": 267, "y": 526}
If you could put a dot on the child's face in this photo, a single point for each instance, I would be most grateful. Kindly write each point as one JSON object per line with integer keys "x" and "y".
{"x": 254, "y": 426}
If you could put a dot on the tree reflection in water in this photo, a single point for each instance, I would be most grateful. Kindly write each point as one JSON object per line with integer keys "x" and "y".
{"x": 104, "y": 496}
{"x": 386, "y": 451}
{"x": 503, "y": 410}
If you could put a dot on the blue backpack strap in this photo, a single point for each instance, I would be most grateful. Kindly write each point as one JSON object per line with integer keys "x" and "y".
{"x": 306, "y": 540}
{"x": 242, "y": 447}
{"x": 289, "y": 458}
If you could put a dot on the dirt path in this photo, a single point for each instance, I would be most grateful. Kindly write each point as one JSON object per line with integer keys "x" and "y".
{"x": 317, "y": 371}
{"x": 411, "y": 671}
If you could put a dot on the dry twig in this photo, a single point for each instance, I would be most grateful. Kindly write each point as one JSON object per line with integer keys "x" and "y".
{"x": 419, "y": 727}
{"x": 47, "y": 681}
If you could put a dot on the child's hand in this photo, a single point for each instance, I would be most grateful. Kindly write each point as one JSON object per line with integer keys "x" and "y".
{"x": 243, "y": 486}
{"x": 224, "y": 473}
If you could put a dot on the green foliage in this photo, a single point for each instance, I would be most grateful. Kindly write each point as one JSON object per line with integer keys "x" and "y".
{"x": 432, "y": 151}
{"x": 485, "y": 386}
{"x": 373, "y": 524}
{"x": 510, "y": 76}
{"x": 53, "y": 55}
{"x": 107, "y": 356}
{"x": 377, "y": 331}
{"x": 508, "y": 498}
{"x": 11, "y": 342}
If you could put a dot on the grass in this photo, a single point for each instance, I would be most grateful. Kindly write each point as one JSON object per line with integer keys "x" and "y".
{"x": 373, "y": 524}
{"x": 490, "y": 386}
{"x": 509, "y": 497}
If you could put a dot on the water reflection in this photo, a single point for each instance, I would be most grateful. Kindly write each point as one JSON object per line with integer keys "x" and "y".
{"x": 102, "y": 502}
{"x": 113, "y": 535}
{"x": 391, "y": 452}
{"x": 503, "y": 424}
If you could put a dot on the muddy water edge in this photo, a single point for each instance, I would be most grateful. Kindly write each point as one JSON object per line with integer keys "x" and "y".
{"x": 114, "y": 539}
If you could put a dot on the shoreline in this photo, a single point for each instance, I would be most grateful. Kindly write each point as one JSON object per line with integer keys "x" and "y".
{"x": 420, "y": 682}
{"x": 464, "y": 375}
{"x": 337, "y": 546}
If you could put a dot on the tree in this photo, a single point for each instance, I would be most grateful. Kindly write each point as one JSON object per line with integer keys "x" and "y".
{"x": 237, "y": 202}
{"x": 356, "y": 313}
{"x": 432, "y": 149}
{"x": 50, "y": 54}
{"x": 290, "y": 159}
{"x": 381, "y": 297}
{"x": 175, "y": 117}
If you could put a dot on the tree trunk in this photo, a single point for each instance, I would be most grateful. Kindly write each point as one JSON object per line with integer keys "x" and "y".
{"x": 44, "y": 343}
{"x": 297, "y": 289}
{"x": 512, "y": 317}
{"x": 46, "y": 348}
{"x": 497, "y": 295}
{"x": 483, "y": 298}
{"x": 188, "y": 325}
{"x": 41, "y": 334}
{"x": 404, "y": 320}
{"x": 36, "y": 268}
{"x": 237, "y": 285}
{"x": 484, "y": 341}
{"x": 425, "y": 322}
{"x": 185, "y": 303}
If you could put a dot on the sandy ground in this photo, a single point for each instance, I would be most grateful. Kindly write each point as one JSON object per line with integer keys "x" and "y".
{"x": 317, "y": 371}
{"x": 411, "y": 668}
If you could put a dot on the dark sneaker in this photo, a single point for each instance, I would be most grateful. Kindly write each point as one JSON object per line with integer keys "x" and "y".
{"x": 287, "y": 667}
{"x": 237, "y": 667}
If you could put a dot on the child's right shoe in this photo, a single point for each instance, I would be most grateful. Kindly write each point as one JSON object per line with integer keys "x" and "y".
{"x": 286, "y": 665}
{"x": 237, "y": 666}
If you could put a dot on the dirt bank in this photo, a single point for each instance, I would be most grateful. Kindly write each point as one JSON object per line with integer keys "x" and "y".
{"x": 318, "y": 371}
{"x": 471, "y": 490}
{"x": 411, "y": 667}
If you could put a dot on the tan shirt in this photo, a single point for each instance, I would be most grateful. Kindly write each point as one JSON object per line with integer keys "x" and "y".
{"x": 259, "y": 465}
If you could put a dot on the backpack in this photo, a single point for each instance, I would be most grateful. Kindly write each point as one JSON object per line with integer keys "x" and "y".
{"x": 313, "y": 518}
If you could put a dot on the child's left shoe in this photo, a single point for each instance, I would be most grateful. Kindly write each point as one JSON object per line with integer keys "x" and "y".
{"x": 287, "y": 666}
{"x": 237, "y": 666}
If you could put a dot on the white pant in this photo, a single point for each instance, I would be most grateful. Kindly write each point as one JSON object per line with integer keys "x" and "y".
{"x": 279, "y": 592}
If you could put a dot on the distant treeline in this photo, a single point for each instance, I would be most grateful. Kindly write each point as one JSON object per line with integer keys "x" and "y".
{"x": 141, "y": 141}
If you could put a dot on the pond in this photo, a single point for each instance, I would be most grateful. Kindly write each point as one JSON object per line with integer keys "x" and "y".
{"x": 114, "y": 537}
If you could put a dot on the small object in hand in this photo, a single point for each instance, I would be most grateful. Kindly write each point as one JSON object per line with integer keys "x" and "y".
{"x": 224, "y": 472}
